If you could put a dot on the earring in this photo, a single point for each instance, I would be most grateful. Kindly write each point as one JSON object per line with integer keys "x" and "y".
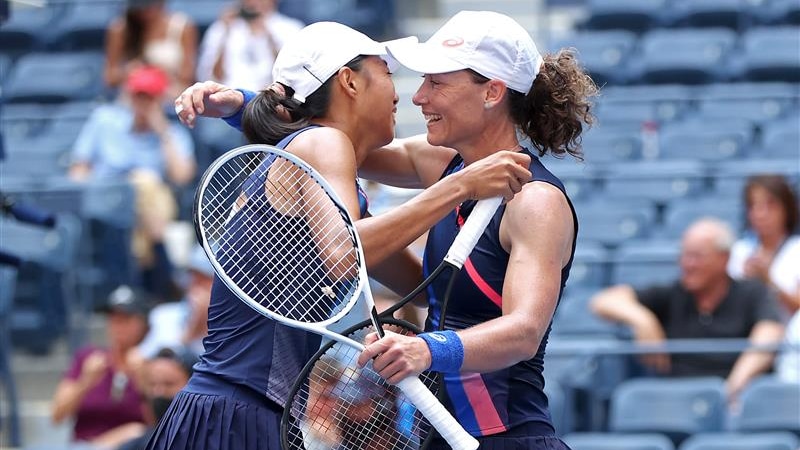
{"x": 487, "y": 105}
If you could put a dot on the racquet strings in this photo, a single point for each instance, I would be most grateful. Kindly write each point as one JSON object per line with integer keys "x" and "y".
{"x": 280, "y": 238}
{"x": 340, "y": 405}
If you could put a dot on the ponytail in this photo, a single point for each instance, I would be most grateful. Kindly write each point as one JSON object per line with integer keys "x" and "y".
{"x": 554, "y": 112}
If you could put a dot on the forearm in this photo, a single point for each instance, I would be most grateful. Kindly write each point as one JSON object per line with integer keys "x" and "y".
{"x": 68, "y": 399}
{"x": 619, "y": 304}
{"x": 752, "y": 363}
{"x": 500, "y": 343}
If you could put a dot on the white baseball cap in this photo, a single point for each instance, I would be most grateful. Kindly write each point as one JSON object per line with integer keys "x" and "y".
{"x": 318, "y": 51}
{"x": 490, "y": 43}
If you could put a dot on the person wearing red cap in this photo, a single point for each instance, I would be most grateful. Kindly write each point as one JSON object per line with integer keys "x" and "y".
{"x": 134, "y": 139}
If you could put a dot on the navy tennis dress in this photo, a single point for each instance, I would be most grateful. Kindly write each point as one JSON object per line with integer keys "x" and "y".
{"x": 235, "y": 398}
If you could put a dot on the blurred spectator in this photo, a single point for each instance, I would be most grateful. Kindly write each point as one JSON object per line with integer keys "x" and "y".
{"x": 184, "y": 323}
{"x": 240, "y": 47}
{"x": 770, "y": 252}
{"x": 133, "y": 138}
{"x": 163, "y": 376}
{"x": 705, "y": 303}
{"x": 149, "y": 34}
{"x": 99, "y": 391}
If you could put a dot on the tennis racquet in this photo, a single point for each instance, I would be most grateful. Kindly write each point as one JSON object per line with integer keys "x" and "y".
{"x": 327, "y": 404}
{"x": 278, "y": 236}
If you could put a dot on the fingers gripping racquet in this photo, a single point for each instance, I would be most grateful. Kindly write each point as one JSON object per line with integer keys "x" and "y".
{"x": 279, "y": 237}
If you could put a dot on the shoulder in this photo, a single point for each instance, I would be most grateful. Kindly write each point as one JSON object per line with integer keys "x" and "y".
{"x": 792, "y": 245}
{"x": 323, "y": 147}
{"x": 538, "y": 199}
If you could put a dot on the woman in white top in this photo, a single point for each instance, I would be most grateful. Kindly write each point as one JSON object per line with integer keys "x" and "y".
{"x": 149, "y": 34}
{"x": 770, "y": 252}
{"x": 240, "y": 47}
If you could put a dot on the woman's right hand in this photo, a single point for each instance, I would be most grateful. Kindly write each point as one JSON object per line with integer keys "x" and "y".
{"x": 208, "y": 99}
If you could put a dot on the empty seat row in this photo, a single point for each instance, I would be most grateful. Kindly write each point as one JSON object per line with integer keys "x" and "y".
{"x": 641, "y": 15}
{"x": 700, "y": 441}
{"x": 689, "y": 56}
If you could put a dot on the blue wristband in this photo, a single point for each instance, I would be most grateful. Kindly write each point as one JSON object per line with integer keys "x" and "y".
{"x": 447, "y": 351}
{"x": 236, "y": 119}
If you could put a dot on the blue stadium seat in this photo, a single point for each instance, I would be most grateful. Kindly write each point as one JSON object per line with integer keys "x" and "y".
{"x": 202, "y": 12}
{"x": 769, "y": 404}
{"x": 734, "y": 14}
{"x": 779, "y": 12}
{"x": 53, "y": 78}
{"x": 574, "y": 318}
{"x": 83, "y": 26}
{"x": 681, "y": 213}
{"x": 686, "y": 56}
{"x": 646, "y": 262}
{"x": 590, "y": 266}
{"x": 633, "y": 15}
{"x": 26, "y": 29}
{"x": 37, "y": 156}
{"x": 8, "y": 278}
{"x": 636, "y": 104}
{"x": 23, "y": 120}
{"x": 579, "y": 179}
{"x": 781, "y": 139}
{"x": 5, "y": 67}
{"x": 618, "y": 441}
{"x": 744, "y": 90}
{"x": 756, "y": 110}
{"x": 705, "y": 139}
{"x": 603, "y": 53}
{"x": 374, "y": 18}
{"x": 770, "y": 54}
{"x": 677, "y": 407}
{"x": 613, "y": 221}
{"x": 730, "y": 176}
{"x": 656, "y": 181}
{"x": 560, "y": 406}
{"x": 213, "y": 138}
{"x": 741, "y": 441}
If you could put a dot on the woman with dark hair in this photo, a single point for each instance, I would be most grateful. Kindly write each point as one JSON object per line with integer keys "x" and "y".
{"x": 334, "y": 101}
{"x": 770, "y": 251}
{"x": 149, "y": 34}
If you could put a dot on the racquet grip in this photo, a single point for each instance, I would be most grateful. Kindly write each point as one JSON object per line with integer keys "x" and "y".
{"x": 466, "y": 239}
{"x": 437, "y": 415}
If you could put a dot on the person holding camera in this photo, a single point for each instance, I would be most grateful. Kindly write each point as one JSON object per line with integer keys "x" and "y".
{"x": 240, "y": 47}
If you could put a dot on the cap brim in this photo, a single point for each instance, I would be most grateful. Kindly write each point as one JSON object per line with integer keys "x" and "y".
{"x": 422, "y": 57}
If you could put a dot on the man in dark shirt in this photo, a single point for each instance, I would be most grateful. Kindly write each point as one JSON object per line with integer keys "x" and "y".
{"x": 704, "y": 303}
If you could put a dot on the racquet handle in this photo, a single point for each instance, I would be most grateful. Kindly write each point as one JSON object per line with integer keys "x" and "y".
{"x": 469, "y": 234}
{"x": 437, "y": 415}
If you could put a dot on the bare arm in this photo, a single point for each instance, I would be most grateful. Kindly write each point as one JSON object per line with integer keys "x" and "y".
{"x": 189, "y": 48}
{"x": 70, "y": 393}
{"x": 409, "y": 162}
{"x": 113, "y": 72}
{"x": 80, "y": 171}
{"x": 619, "y": 304}
{"x": 753, "y": 363}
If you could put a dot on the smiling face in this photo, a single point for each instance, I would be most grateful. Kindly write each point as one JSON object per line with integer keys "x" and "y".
{"x": 453, "y": 107}
{"x": 378, "y": 105}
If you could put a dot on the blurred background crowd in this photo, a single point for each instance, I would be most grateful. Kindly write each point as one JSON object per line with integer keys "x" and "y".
{"x": 687, "y": 200}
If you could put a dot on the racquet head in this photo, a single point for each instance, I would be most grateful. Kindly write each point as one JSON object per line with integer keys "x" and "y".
{"x": 338, "y": 405}
{"x": 278, "y": 236}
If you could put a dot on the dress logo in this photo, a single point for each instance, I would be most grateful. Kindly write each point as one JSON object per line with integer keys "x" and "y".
{"x": 453, "y": 42}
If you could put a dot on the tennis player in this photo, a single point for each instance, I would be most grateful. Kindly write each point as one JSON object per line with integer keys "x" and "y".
{"x": 336, "y": 87}
{"x": 484, "y": 82}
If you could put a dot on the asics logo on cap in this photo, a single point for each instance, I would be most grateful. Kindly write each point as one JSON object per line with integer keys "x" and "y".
{"x": 453, "y": 42}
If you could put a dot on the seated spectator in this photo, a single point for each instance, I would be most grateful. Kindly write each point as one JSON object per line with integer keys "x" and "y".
{"x": 162, "y": 376}
{"x": 183, "y": 324}
{"x": 99, "y": 391}
{"x": 770, "y": 252}
{"x": 705, "y": 303}
{"x": 240, "y": 47}
{"x": 134, "y": 139}
{"x": 149, "y": 34}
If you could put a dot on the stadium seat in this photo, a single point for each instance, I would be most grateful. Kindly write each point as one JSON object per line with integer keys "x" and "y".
{"x": 706, "y": 139}
{"x": 603, "y": 53}
{"x": 677, "y": 407}
{"x": 686, "y": 56}
{"x": 8, "y": 276}
{"x": 26, "y": 29}
{"x": 5, "y": 67}
{"x": 770, "y": 54}
{"x": 779, "y": 12}
{"x": 213, "y": 137}
{"x": 742, "y": 441}
{"x": 756, "y": 110}
{"x": 579, "y": 178}
{"x": 646, "y": 262}
{"x": 616, "y": 221}
{"x": 733, "y": 14}
{"x": 53, "y": 78}
{"x": 39, "y": 156}
{"x": 781, "y": 139}
{"x": 23, "y": 120}
{"x": 730, "y": 176}
{"x": 83, "y": 26}
{"x": 681, "y": 213}
{"x": 633, "y": 15}
{"x": 656, "y": 181}
{"x": 372, "y": 17}
{"x": 618, "y": 441}
{"x": 769, "y": 404}
{"x": 590, "y": 266}
{"x": 559, "y": 404}
{"x": 744, "y": 90}
{"x": 202, "y": 12}
{"x": 636, "y": 104}
{"x": 574, "y": 318}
